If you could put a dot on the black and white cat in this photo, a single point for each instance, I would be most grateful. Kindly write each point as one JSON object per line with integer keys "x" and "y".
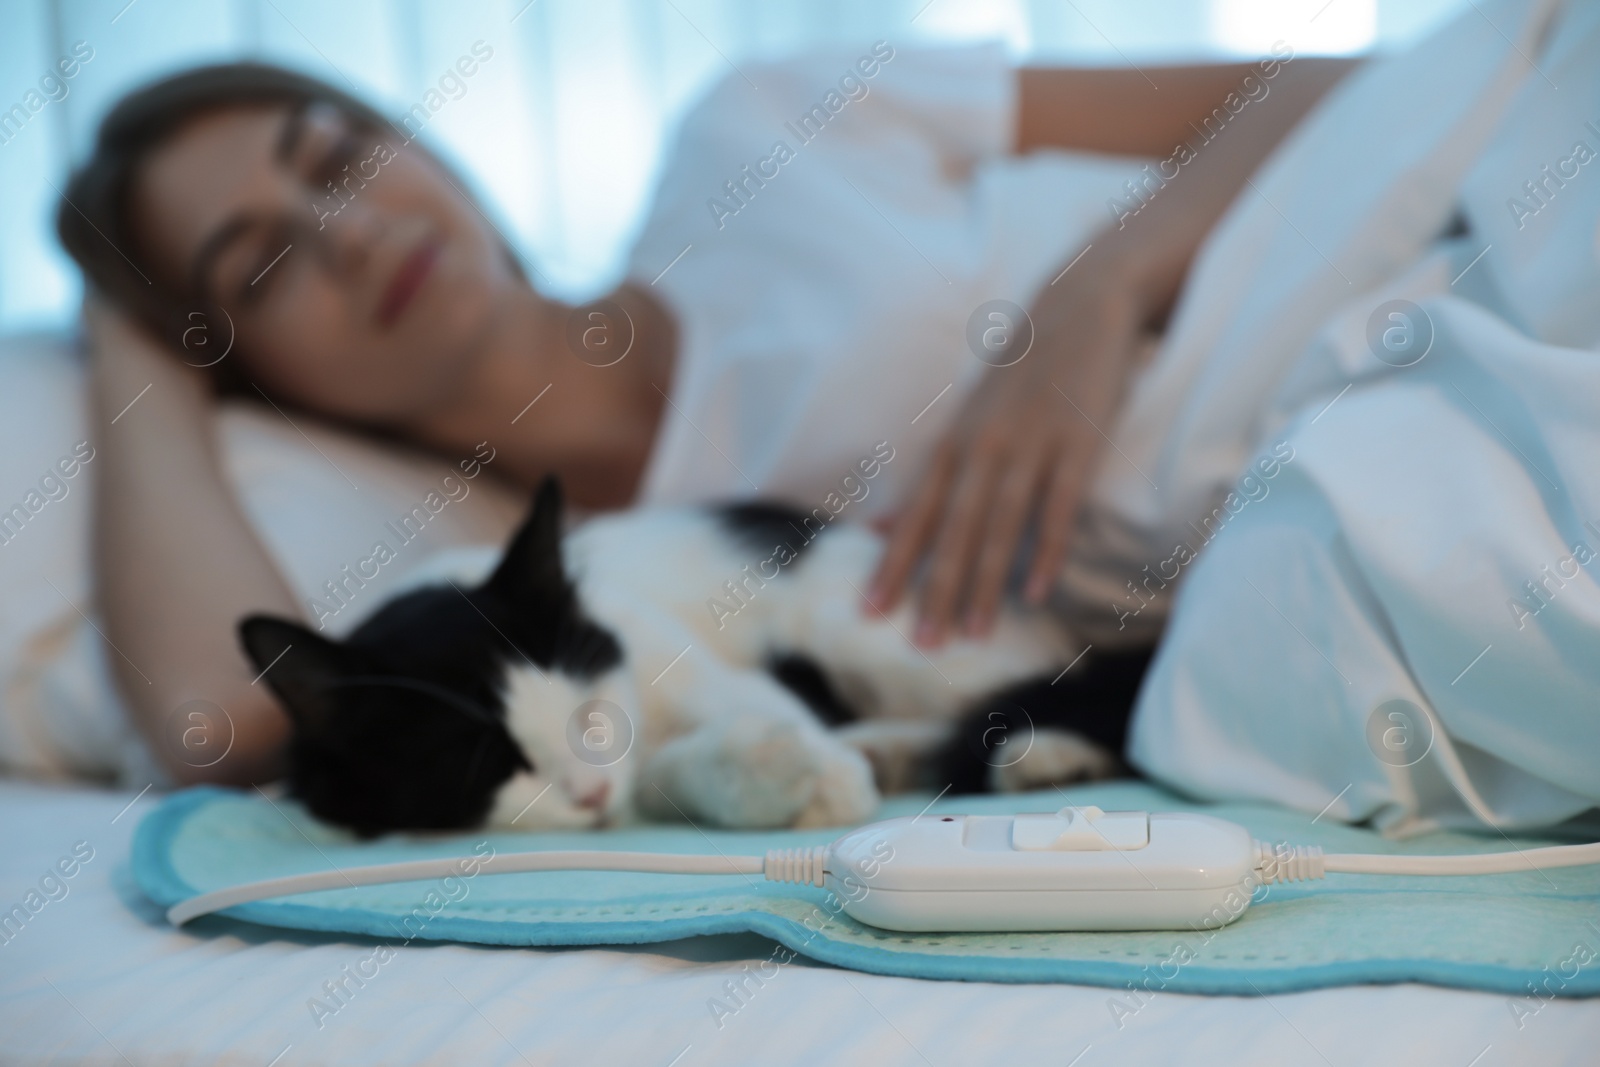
{"x": 708, "y": 664}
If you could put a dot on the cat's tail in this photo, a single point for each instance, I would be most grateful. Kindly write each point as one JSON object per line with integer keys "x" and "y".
{"x": 1091, "y": 701}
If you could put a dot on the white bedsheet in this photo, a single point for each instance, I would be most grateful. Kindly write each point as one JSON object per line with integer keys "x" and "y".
{"x": 97, "y": 977}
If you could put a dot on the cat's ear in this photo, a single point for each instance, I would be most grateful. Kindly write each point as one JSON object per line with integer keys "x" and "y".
{"x": 299, "y": 665}
{"x": 531, "y": 567}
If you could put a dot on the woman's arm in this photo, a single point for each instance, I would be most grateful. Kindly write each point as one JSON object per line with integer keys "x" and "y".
{"x": 1127, "y": 112}
{"x": 1024, "y": 444}
{"x": 176, "y": 562}
{"x": 1120, "y": 111}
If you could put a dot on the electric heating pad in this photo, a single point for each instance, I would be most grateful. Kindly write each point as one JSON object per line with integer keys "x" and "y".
{"x": 1056, "y": 886}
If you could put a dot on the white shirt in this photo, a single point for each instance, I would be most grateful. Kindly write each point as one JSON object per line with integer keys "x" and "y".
{"x": 824, "y": 309}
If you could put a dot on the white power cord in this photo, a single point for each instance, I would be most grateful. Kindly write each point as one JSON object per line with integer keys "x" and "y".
{"x": 794, "y": 865}
{"x": 1283, "y": 862}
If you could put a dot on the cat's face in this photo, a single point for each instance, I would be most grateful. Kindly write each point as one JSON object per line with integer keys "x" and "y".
{"x": 455, "y": 706}
{"x": 579, "y": 735}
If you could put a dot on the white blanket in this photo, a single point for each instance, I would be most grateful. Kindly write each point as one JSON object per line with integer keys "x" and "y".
{"x": 1401, "y": 621}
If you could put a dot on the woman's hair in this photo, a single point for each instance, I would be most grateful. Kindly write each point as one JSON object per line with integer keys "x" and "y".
{"x": 93, "y": 219}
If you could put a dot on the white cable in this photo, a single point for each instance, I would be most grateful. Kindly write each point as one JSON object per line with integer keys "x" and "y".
{"x": 1293, "y": 863}
{"x": 1530, "y": 859}
{"x": 507, "y": 863}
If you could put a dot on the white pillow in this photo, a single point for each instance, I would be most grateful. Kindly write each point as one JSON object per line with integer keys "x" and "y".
{"x": 319, "y": 497}
{"x": 322, "y": 510}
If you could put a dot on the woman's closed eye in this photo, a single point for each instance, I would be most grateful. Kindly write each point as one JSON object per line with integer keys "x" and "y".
{"x": 325, "y": 151}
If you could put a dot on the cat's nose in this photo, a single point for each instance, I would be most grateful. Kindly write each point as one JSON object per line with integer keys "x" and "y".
{"x": 594, "y": 797}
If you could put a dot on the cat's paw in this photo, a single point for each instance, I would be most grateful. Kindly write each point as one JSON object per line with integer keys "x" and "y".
{"x": 842, "y": 790}
{"x": 1055, "y": 757}
{"x": 768, "y": 770}
{"x": 749, "y": 772}
{"x": 754, "y": 773}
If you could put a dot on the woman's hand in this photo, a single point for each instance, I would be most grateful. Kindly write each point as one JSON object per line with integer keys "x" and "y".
{"x": 1025, "y": 443}
{"x": 1023, "y": 447}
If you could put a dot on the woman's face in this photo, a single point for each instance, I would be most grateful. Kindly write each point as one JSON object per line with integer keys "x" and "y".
{"x": 359, "y": 281}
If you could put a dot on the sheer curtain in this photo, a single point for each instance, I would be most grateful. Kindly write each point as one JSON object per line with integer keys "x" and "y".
{"x": 561, "y": 126}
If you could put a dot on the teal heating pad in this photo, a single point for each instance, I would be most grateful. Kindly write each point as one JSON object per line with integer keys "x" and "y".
{"x": 1534, "y": 933}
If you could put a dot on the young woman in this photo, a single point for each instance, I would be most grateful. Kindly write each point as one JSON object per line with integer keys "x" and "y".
{"x": 405, "y": 313}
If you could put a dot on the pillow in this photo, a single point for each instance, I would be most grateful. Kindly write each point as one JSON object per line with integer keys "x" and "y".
{"x": 319, "y": 497}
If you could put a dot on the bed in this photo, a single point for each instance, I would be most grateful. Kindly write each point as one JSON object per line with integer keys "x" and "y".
{"x": 97, "y": 976}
